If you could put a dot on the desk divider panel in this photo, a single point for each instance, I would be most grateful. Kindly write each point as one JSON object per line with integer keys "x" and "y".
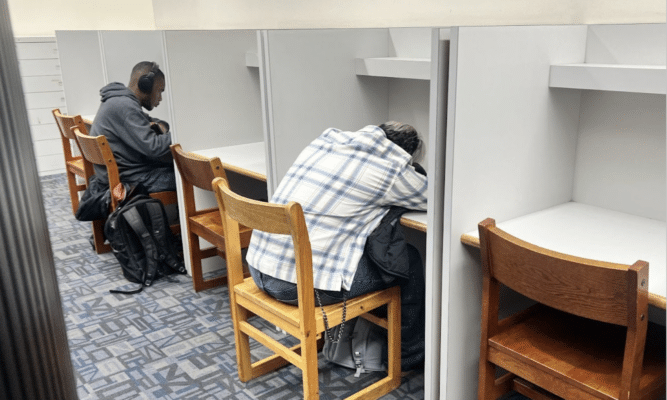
{"x": 216, "y": 97}
{"x": 435, "y": 157}
{"x": 216, "y": 103}
{"x": 511, "y": 148}
{"x": 313, "y": 87}
{"x": 82, "y": 70}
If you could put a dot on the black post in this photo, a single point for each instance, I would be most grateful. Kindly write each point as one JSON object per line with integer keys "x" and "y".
{"x": 34, "y": 354}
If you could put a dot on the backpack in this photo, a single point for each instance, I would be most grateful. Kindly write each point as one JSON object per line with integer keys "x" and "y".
{"x": 362, "y": 347}
{"x": 141, "y": 240}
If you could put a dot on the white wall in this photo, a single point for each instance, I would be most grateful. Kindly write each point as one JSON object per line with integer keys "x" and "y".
{"x": 44, "y": 17}
{"x": 298, "y": 14}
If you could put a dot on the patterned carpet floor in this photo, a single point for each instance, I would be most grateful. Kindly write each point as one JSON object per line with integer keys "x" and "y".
{"x": 166, "y": 342}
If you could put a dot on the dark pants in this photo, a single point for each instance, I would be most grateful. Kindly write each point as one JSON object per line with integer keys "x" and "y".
{"x": 159, "y": 179}
{"x": 367, "y": 279}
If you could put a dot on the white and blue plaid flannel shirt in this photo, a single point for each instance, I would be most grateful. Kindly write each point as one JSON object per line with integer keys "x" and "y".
{"x": 345, "y": 183}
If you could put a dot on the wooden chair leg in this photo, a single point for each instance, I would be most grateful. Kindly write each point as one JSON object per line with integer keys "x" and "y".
{"x": 98, "y": 237}
{"x": 309, "y": 370}
{"x": 195, "y": 261}
{"x": 73, "y": 191}
{"x": 393, "y": 378}
{"x": 196, "y": 255}
{"x": 487, "y": 378}
{"x": 394, "y": 340}
{"x": 242, "y": 345}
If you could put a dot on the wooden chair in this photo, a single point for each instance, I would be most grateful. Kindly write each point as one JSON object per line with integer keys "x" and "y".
{"x": 199, "y": 171}
{"x": 96, "y": 150}
{"x": 302, "y": 321}
{"x": 586, "y": 338}
{"x": 73, "y": 163}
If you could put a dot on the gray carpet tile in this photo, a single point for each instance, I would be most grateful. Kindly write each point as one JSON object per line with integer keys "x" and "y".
{"x": 167, "y": 342}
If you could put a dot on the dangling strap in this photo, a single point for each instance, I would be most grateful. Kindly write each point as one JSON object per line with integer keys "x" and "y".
{"x": 160, "y": 232}
{"x": 133, "y": 218}
{"x": 326, "y": 321}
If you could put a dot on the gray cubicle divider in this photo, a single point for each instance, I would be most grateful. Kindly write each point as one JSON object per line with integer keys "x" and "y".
{"x": 82, "y": 70}
{"x": 440, "y": 96}
{"x": 516, "y": 146}
{"x": 216, "y": 96}
{"x": 216, "y": 101}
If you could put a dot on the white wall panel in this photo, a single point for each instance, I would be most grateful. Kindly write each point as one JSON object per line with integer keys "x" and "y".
{"x": 45, "y": 132}
{"x": 49, "y": 83}
{"x": 43, "y": 115}
{"x": 39, "y": 67}
{"x": 45, "y": 100}
{"x": 47, "y": 147}
{"x": 36, "y": 50}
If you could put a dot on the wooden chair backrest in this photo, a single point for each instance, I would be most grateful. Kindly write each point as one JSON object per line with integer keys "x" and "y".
{"x": 284, "y": 219}
{"x": 96, "y": 150}
{"x": 196, "y": 170}
{"x": 602, "y": 291}
{"x": 65, "y": 124}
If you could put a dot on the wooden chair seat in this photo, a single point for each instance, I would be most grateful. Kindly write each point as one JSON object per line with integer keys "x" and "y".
{"x": 208, "y": 226}
{"x": 76, "y": 166}
{"x": 562, "y": 347}
{"x": 252, "y": 298}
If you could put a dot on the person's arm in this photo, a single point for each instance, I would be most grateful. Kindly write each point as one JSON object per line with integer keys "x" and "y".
{"x": 143, "y": 138}
{"x": 408, "y": 190}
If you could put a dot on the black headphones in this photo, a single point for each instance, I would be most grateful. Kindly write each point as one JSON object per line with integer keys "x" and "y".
{"x": 146, "y": 81}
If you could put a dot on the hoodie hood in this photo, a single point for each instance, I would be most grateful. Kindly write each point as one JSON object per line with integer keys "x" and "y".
{"x": 116, "y": 89}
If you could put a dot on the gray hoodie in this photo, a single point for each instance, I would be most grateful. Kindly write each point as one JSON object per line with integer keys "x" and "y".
{"x": 135, "y": 145}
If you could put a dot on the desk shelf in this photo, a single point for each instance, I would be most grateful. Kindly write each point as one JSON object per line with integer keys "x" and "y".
{"x": 610, "y": 77}
{"x": 595, "y": 233}
{"x": 394, "y": 67}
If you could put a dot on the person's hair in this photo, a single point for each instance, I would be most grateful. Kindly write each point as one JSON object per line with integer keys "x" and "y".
{"x": 405, "y": 136}
{"x": 144, "y": 67}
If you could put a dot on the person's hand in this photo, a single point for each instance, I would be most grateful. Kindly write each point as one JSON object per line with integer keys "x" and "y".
{"x": 159, "y": 128}
{"x": 163, "y": 127}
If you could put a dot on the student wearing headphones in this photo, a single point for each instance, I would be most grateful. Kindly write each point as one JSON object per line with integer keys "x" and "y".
{"x": 139, "y": 142}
